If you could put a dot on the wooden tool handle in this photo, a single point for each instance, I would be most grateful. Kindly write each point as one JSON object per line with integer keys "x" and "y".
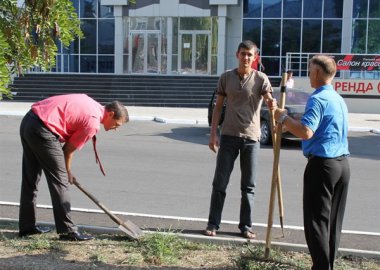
{"x": 98, "y": 203}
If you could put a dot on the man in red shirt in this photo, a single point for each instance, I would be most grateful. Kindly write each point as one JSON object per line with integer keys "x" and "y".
{"x": 70, "y": 119}
{"x": 257, "y": 61}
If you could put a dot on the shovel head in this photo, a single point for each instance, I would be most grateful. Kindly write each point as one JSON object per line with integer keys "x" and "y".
{"x": 131, "y": 229}
{"x": 128, "y": 227}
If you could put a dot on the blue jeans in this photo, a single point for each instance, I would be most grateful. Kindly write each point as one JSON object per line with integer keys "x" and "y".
{"x": 230, "y": 147}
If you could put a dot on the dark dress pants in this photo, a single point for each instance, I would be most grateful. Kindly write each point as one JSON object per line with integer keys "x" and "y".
{"x": 42, "y": 151}
{"x": 324, "y": 201}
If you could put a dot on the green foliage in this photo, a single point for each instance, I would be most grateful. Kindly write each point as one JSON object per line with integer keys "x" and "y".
{"x": 252, "y": 258}
{"x": 162, "y": 248}
{"x": 29, "y": 35}
{"x": 4, "y": 71}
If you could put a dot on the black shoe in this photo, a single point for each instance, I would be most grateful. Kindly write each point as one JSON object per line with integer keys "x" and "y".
{"x": 36, "y": 230}
{"x": 75, "y": 236}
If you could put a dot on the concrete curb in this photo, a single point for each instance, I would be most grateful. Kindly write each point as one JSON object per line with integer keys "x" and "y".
{"x": 218, "y": 240}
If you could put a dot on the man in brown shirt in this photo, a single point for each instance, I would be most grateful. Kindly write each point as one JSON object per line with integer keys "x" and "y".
{"x": 244, "y": 90}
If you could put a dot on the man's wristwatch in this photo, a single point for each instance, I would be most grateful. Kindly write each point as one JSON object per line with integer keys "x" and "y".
{"x": 282, "y": 118}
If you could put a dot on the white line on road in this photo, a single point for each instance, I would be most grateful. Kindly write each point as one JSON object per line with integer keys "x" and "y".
{"x": 183, "y": 218}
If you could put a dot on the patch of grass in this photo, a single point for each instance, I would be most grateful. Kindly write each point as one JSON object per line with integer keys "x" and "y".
{"x": 252, "y": 258}
{"x": 98, "y": 257}
{"x": 162, "y": 249}
{"x": 35, "y": 243}
{"x": 158, "y": 248}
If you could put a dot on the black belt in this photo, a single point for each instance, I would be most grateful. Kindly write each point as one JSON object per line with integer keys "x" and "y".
{"x": 310, "y": 157}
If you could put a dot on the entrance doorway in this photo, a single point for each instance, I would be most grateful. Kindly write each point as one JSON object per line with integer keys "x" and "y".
{"x": 194, "y": 52}
{"x": 146, "y": 52}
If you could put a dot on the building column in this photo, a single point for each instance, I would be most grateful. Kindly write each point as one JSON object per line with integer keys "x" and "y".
{"x": 346, "y": 42}
{"x": 222, "y": 29}
{"x": 119, "y": 39}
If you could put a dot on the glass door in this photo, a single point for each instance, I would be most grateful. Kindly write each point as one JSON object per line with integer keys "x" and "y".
{"x": 195, "y": 52}
{"x": 145, "y": 54}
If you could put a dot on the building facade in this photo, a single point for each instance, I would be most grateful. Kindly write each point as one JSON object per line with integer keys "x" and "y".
{"x": 169, "y": 37}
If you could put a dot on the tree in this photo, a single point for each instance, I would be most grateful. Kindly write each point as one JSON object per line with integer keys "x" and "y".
{"x": 29, "y": 34}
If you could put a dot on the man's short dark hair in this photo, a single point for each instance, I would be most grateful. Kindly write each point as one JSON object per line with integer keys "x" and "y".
{"x": 247, "y": 44}
{"x": 119, "y": 110}
{"x": 326, "y": 63}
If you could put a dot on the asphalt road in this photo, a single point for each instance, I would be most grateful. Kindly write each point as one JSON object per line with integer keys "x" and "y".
{"x": 167, "y": 169}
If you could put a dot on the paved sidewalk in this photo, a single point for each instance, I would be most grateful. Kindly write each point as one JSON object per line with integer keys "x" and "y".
{"x": 191, "y": 116}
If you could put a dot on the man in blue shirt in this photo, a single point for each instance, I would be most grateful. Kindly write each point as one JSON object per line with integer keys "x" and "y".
{"x": 323, "y": 129}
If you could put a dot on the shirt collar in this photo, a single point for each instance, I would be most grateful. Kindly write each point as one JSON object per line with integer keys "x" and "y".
{"x": 324, "y": 87}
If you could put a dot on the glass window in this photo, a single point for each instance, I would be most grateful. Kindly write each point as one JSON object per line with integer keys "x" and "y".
{"x": 311, "y": 37}
{"x": 359, "y": 33}
{"x": 88, "y": 8}
{"x": 359, "y": 8}
{"x": 332, "y": 36}
{"x": 333, "y": 9}
{"x": 106, "y": 64}
{"x": 73, "y": 63}
{"x": 214, "y": 33}
{"x": 252, "y": 9}
{"x": 292, "y": 8}
{"x": 106, "y": 36}
{"x": 272, "y": 65}
{"x": 291, "y": 36}
{"x": 88, "y": 43}
{"x": 251, "y": 30}
{"x": 214, "y": 61}
{"x": 312, "y": 9}
{"x": 145, "y": 23}
{"x": 175, "y": 38}
{"x": 374, "y": 9}
{"x": 203, "y": 23}
{"x": 272, "y": 9}
{"x": 76, "y": 5}
{"x": 105, "y": 11}
{"x": 88, "y": 64}
{"x": 73, "y": 47}
{"x": 271, "y": 38}
{"x": 373, "y": 36}
{"x": 175, "y": 63}
{"x": 125, "y": 63}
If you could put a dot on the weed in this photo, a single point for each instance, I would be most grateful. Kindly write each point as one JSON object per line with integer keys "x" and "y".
{"x": 158, "y": 248}
{"x": 98, "y": 257}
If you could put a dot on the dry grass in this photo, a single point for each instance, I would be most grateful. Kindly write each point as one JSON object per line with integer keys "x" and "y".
{"x": 158, "y": 250}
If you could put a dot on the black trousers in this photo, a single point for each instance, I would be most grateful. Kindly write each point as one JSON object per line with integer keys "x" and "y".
{"x": 42, "y": 151}
{"x": 324, "y": 201}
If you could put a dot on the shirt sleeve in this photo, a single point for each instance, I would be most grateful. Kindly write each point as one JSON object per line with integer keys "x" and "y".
{"x": 80, "y": 137}
{"x": 221, "y": 85}
{"x": 313, "y": 114}
{"x": 267, "y": 87}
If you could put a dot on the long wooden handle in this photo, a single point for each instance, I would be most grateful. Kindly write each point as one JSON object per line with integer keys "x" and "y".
{"x": 275, "y": 171}
{"x": 126, "y": 226}
{"x": 98, "y": 203}
{"x": 279, "y": 184}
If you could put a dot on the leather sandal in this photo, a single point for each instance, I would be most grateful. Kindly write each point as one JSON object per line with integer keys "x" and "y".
{"x": 248, "y": 234}
{"x": 210, "y": 232}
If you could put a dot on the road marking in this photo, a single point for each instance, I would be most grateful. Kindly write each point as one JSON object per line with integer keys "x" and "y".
{"x": 184, "y": 218}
